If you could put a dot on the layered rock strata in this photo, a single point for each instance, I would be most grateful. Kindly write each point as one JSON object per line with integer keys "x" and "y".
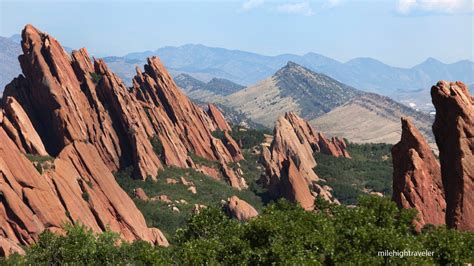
{"x": 289, "y": 162}
{"x": 417, "y": 177}
{"x": 67, "y": 123}
{"x": 454, "y": 132}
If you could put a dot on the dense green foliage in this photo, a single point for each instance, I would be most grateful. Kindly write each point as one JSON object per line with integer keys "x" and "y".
{"x": 248, "y": 137}
{"x": 283, "y": 234}
{"x": 370, "y": 169}
{"x": 80, "y": 246}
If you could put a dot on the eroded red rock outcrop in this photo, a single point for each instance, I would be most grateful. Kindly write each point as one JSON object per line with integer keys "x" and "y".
{"x": 240, "y": 209}
{"x": 417, "y": 177}
{"x": 71, "y": 99}
{"x": 454, "y": 132}
{"x": 179, "y": 123}
{"x": 217, "y": 118}
{"x": 319, "y": 143}
{"x": 83, "y": 123}
{"x": 289, "y": 163}
{"x": 78, "y": 189}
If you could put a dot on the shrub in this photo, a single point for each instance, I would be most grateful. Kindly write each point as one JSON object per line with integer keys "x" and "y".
{"x": 157, "y": 145}
{"x": 95, "y": 77}
{"x": 283, "y": 234}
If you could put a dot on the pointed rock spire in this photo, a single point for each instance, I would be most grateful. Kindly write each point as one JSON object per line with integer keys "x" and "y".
{"x": 454, "y": 132}
{"x": 417, "y": 177}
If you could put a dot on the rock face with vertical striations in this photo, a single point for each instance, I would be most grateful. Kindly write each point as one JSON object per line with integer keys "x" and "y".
{"x": 84, "y": 124}
{"x": 217, "y": 118}
{"x": 335, "y": 146}
{"x": 417, "y": 177}
{"x": 454, "y": 132}
{"x": 289, "y": 162}
{"x": 181, "y": 126}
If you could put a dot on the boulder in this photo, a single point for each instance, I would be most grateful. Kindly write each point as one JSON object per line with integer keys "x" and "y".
{"x": 240, "y": 209}
{"x": 192, "y": 189}
{"x": 140, "y": 194}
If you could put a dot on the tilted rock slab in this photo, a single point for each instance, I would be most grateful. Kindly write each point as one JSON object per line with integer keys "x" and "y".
{"x": 79, "y": 189}
{"x": 217, "y": 118}
{"x": 80, "y": 113}
{"x": 417, "y": 177}
{"x": 454, "y": 132}
{"x": 289, "y": 163}
{"x": 335, "y": 146}
{"x": 70, "y": 98}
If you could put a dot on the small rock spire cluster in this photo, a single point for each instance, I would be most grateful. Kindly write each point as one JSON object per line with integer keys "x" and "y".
{"x": 289, "y": 161}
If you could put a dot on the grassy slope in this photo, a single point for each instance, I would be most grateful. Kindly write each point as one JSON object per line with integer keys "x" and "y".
{"x": 370, "y": 168}
{"x": 209, "y": 192}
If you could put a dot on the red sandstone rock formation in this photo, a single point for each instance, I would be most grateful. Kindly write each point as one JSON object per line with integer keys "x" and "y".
{"x": 81, "y": 113}
{"x": 232, "y": 147}
{"x": 289, "y": 163}
{"x": 72, "y": 99}
{"x": 454, "y": 132}
{"x": 187, "y": 127}
{"x": 79, "y": 188}
{"x": 8, "y": 247}
{"x": 18, "y": 126}
{"x": 336, "y": 146}
{"x": 417, "y": 177}
{"x": 217, "y": 118}
{"x": 240, "y": 209}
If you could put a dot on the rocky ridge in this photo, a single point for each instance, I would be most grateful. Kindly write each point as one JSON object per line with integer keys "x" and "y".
{"x": 78, "y": 118}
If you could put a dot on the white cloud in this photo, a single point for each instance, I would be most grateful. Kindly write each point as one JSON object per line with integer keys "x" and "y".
{"x": 332, "y": 3}
{"x": 405, "y": 6}
{"x": 251, "y": 4}
{"x": 437, "y": 6}
{"x": 301, "y": 8}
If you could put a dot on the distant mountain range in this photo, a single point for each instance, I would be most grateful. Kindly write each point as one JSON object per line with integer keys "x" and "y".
{"x": 407, "y": 85}
{"x": 328, "y": 104}
{"x": 205, "y": 63}
{"x": 216, "y": 85}
{"x": 363, "y": 73}
{"x": 9, "y": 65}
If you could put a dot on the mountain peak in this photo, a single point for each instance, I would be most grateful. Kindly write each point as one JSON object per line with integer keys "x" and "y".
{"x": 292, "y": 64}
{"x": 290, "y": 67}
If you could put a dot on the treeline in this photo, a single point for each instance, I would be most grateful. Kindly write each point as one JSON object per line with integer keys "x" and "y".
{"x": 283, "y": 234}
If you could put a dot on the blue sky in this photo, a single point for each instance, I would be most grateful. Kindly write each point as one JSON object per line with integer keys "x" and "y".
{"x": 397, "y": 32}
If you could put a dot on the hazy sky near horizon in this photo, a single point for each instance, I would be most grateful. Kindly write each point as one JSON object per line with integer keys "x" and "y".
{"x": 398, "y": 32}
